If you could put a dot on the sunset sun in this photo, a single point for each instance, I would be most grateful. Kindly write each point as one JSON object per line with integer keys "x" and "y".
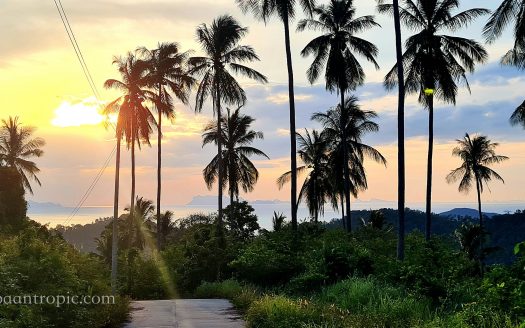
{"x": 85, "y": 112}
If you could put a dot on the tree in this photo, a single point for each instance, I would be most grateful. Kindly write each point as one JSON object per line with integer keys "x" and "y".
{"x": 17, "y": 147}
{"x": 285, "y": 10}
{"x": 476, "y": 154}
{"x": 133, "y": 122}
{"x": 223, "y": 57}
{"x": 236, "y": 136}
{"x": 435, "y": 63}
{"x": 278, "y": 221}
{"x": 344, "y": 127}
{"x": 400, "y": 132}
{"x": 334, "y": 50}
{"x": 166, "y": 72}
{"x": 316, "y": 189}
{"x": 138, "y": 226}
{"x": 241, "y": 220}
{"x": 510, "y": 11}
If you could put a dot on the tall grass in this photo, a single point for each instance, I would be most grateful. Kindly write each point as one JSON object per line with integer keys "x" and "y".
{"x": 242, "y": 296}
{"x": 384, "y": 305}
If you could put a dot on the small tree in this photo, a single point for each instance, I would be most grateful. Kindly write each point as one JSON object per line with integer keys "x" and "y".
{"x": 241, "y": 220}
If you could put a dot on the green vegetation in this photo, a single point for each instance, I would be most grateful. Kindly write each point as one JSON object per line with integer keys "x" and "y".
{"x": 36, "y": 261}
{"x": 338, "y": 280}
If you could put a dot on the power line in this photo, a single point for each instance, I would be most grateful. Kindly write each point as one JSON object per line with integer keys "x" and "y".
{"x": 92, "y": 85}
{"x": 78, "y": 53}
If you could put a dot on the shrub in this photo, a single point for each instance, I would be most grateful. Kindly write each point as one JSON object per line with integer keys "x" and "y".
{"x": 282, "y": 312}
{"x": 242, "y": 296}
{"x": 385, "y": 305}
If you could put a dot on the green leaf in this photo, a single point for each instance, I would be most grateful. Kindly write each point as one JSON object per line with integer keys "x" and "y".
{"x": 519, "y": 248}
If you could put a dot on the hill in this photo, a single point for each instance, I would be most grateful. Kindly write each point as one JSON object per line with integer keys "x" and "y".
{"x": 459, "y": 213}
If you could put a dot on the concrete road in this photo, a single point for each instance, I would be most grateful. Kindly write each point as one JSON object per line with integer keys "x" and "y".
{"x": 186, "y": 313}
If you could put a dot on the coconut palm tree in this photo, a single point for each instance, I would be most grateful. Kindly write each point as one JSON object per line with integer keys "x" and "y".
{"x": 435, "y": 63}
{"x": 166, "y": 72}
{"x": 17, "y": 147}
{"x": 334, "y": 51}
{"x": 138, "y": 224}
{"x": 134, "y": 122}
{"x": 476, "y": 154}
{"x": 285, "y": 10}
{"x": 510, "y": 11}
{"x": 317, "y": 188}
{"x": 344, "y": 127}
{"x": 400, "y": 131}
{"x": 223, "y": 58}
{"x": 236, "y": 136}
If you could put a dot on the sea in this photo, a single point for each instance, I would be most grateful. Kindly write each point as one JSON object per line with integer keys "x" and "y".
{"x": 67, "y": 216}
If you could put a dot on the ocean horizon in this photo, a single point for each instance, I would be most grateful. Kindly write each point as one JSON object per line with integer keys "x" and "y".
{"x": 58, "y": 215}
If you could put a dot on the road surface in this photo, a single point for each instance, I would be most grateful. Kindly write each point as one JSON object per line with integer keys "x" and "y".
{"x": 184, "y": 313}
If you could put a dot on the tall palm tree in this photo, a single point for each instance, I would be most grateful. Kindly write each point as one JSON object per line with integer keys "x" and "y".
{"x": 400, "y": 132}
{"x": 435, "y": 63}
{"x": 236, "y": 136}
{"x": 17, "y": 147}
{"x": 477, "y": 154}
{"x": 223, "y": 58}
{"x": 134, "y": 122}
{"x": 334, "y": 51}
{"x": 505, "y": 14}
{"x": 316, "y": 189}
{"x": 344, "y": 127}
{"x": 285, "y": 10}
{"x": 166, "y": 72}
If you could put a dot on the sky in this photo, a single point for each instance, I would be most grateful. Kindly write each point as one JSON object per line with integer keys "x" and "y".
{"x": 42, "y": 82}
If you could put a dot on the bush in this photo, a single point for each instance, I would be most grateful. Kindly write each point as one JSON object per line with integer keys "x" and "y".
{"x": 38, "y": 263}
{"x": 386, "y": 305}
{"x": 282, "y": 312}
{"x": 268, "y": 260}
{"x": 242, "y": 296}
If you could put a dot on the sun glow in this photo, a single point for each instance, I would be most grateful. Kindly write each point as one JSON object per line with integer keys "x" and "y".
{"x": 84, "y": 112}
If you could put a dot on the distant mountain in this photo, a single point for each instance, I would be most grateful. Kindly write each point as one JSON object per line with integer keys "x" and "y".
{"x": 212, "y": 201}
{"x": 267, "y": 202}
{"x": 207, "y": 201}
{"x": 459, "y": 213}
{"x": 37, "y": 207}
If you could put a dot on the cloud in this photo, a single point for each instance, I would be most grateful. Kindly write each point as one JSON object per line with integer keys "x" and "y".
{"x": 282, "y": 98}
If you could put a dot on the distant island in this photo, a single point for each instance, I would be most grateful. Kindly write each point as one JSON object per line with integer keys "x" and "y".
{"x": 459, "y": 213}
{"x": 212, "y": 201}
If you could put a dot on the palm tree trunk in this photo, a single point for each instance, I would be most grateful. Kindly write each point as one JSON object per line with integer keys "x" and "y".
{"x": 345, "y": 170}
{"x": 132, "y": 207}
{"x": 429, "y": 166}
{"x": 160, "y": 236}
{"x": 400, "y": 136}
{"x": 478, "y": 188}
{"x": 219, "y": 152}
{"x": 343, "y": 210}
{"x": 482, "y": 257}
{"x": 293, "y": 147}
{"x": 114, "y": 239}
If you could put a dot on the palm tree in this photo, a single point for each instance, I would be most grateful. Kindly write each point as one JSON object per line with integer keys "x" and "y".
{"x": 400, "y": 132}
{"x": 16, "y": 149}
{"x": 223, "y": 57}
{"x": 507, "y": 12}
{"x": 133, "y": 122}
{"x": 334, "y": 50}
{"x": 138, "y": 223}
{"x": 344, "y": 127}
{"x": 166, "y": 72}
{"x": 435, "y": 63}
{"x": 236, "y": 137}
{"x": 285, "y": 10}
{"x": 477, "y": 154}
{"x": 316, "y": 189}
